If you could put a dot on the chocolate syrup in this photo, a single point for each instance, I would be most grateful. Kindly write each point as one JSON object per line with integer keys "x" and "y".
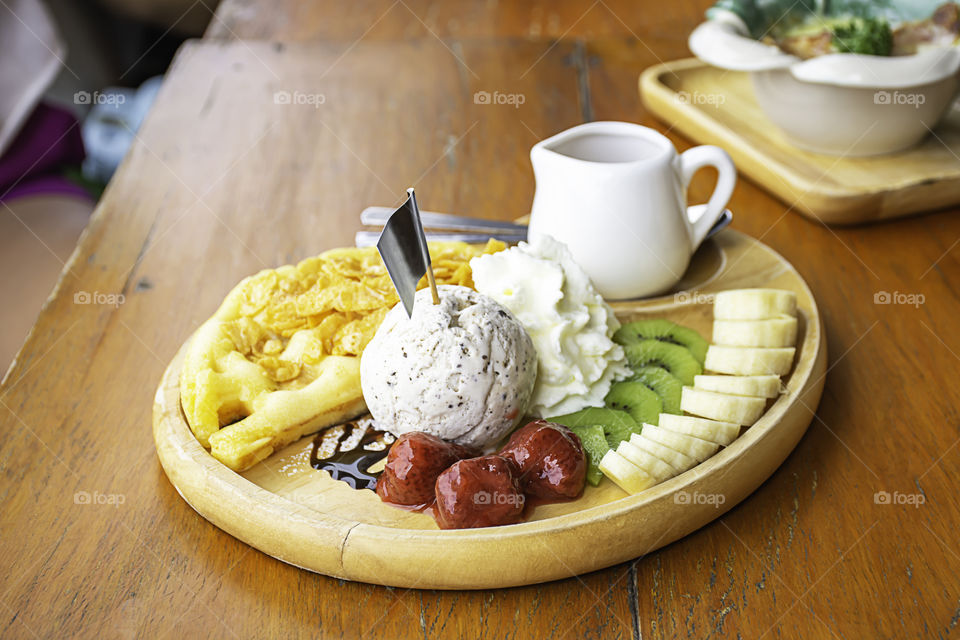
{"x": 347, "y": 450}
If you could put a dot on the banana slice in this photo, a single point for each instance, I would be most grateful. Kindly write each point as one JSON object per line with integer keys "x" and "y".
{"x": 624, "y": 473}
{"x": 649, "y": 463}
{"x": 761, "y": 386}
{"x": 679, "y": 461}
{"x": 775, "y": 332}
{"x": 749, "y": 361}
{"x": 694, "y": 447}
{"x": 723, "y": 433}
{"x": 754, "y": 304}
{"x": 743, "y": 410}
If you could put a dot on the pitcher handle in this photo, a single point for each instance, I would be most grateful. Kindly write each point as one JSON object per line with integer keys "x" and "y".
{"x": 692, "y": 161}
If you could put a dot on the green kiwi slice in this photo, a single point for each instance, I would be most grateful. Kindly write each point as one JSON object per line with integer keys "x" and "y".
{"x": 595, "y": 445}
{"x": 617, "y": 425}
{"x": 664, "y": 331}
{"x": 672, "y": 357}
{"x": 664, "y": 384}
{"x": 637, "y": 399}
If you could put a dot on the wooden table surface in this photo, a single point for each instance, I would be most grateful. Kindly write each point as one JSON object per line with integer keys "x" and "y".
{"x": 855, "y": 536}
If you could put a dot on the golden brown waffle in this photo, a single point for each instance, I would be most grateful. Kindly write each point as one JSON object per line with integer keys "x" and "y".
{"x": 281, "y": 356}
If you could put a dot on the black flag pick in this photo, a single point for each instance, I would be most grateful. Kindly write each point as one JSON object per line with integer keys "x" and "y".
{"x": 403, "y": 247}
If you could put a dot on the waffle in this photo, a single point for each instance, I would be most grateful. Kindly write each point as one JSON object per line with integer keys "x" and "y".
{"x": 280, "y": 358}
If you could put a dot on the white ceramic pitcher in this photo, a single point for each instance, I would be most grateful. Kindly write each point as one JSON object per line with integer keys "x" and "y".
{"x": 615, "y": 194}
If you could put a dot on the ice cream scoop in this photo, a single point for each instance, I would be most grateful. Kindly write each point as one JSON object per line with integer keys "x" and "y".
{"x": 462, "y": 370}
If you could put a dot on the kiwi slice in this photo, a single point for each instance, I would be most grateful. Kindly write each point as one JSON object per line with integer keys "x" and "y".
{"x": 637, "y": 399}
{"x": 664, "y": 384}
{"x": 664, "y": 331}
{"x": 617, "y": 425}
{"x": 595, "y": 445}
{"x": 672, "y": 357}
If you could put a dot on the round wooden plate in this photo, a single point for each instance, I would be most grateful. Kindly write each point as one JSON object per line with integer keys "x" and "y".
{"x": 288, "y": 510}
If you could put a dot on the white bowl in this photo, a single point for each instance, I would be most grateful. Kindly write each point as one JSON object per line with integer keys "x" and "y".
{"x": 839, "y": 104}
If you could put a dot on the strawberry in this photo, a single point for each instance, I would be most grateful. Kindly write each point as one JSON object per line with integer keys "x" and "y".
{"x": 550, "y": 460}
{"x": 413, "y": 464}
{"x": 479, "y": 492}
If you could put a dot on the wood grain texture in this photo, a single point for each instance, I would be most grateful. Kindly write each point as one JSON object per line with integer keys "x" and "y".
{"x": 371, "y": 20}
{"x": 212, "y": 191}
{"x": 715, "y": 106}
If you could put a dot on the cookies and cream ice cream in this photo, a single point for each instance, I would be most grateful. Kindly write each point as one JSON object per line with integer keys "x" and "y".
{"x": 569, "y": 322}
{"x": 463, "y": 370}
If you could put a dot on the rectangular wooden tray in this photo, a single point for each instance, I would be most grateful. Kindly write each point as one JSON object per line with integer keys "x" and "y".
{"x": 715, "y": 106}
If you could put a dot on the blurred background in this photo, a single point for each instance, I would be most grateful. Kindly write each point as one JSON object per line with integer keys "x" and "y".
{"x": 76, "y": 80}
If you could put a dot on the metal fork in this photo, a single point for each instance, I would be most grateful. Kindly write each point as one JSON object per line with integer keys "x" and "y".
{"x": 471, "y": 230}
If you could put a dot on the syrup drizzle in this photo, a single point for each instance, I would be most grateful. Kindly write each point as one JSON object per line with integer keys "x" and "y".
{"x": 346, "y": 451}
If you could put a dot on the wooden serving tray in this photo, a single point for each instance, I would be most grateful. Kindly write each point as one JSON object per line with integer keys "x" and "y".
{"x": 716, "y": 106}
{"x": 300, "y": 515}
